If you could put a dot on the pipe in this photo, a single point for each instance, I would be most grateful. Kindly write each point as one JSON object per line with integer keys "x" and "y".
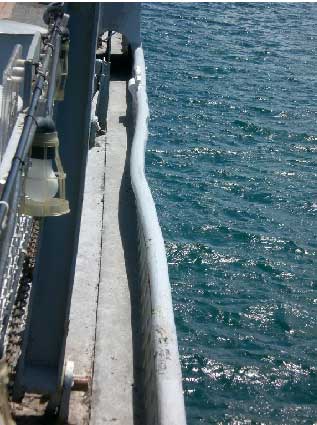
{"x": 29, "y": 127}
{"x": 52, "y": 83}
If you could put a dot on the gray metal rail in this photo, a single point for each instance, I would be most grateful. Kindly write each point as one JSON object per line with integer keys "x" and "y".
{"x": 164, "y": 402}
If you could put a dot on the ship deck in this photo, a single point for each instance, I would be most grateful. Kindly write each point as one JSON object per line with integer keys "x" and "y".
{"x": 106, "y": 272}
{"x": 103, "y": 331}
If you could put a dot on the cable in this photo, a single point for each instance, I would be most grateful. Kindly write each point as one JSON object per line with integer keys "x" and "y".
{"x": 30, "y": 123}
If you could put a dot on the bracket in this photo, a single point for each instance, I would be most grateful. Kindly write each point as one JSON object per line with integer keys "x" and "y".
{"x": 59, "y": 402}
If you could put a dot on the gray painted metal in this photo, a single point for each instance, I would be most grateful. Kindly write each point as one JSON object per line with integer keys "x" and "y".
{"x": 103, "y": 96}
{"x": 32, "y": 58}
{"x": 12, "y": 33}
{"x": 42, "y": 360}
{"x": 68, "y": 381}
{"x": 13, "y": 242}
{"x": 123, "y": 18}
{"x": 29, "y": 36}
{"x": 18, "y": 28}
{"x": 163, "y": 379}
{"x": 14, "y": 237}
{"x": 9, "y": 98}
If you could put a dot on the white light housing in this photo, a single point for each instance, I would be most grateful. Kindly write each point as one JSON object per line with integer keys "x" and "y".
{"x": 44, "y": 184}
{"x": 41, "y": 182}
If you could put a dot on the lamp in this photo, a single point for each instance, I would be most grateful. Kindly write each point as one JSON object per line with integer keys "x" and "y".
{"x": 44, "y": 184}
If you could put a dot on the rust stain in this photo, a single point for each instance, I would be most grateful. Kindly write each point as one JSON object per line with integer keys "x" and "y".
{"x": 6, "y": 10}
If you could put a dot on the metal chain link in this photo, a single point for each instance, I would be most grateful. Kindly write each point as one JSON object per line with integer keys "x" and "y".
{"x": 20, "y": 308}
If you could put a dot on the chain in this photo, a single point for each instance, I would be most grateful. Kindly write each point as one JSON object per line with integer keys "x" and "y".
{"x": 20, "y": 308}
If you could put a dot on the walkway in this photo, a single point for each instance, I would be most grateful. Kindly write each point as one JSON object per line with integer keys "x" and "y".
{"x": 107, "y": 268}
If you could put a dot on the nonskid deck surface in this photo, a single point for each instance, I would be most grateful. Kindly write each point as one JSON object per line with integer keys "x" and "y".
{"x": 114, "y": 385}
{"x": 115, "y": 396}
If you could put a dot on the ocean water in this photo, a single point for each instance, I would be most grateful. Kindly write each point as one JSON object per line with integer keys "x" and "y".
{"x": 231, "y": 161}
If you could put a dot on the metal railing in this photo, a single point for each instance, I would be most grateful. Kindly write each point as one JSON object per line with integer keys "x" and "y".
{"x": 10, "y": 97}
{"x": 16, "y": 139}
{"x": 164, "y": 401}
{"x": 15, "y": 230}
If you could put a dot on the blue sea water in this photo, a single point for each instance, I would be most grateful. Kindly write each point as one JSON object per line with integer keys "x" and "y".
{"x": 231, "y": 161}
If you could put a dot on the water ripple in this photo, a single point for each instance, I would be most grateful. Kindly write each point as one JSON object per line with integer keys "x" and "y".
{"x": 232, "y": 165}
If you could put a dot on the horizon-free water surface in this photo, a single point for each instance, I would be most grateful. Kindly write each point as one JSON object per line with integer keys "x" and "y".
{"x": 231, "y": 162}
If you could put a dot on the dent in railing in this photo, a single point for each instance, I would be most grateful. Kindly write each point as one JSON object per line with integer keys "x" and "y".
{"x": 164, "y": 401}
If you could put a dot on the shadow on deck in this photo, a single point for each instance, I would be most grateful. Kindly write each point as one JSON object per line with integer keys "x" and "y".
{"x": 128, "y": 231}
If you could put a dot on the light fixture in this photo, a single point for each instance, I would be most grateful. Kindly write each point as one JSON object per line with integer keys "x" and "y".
{"x": 44, "y": 184}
